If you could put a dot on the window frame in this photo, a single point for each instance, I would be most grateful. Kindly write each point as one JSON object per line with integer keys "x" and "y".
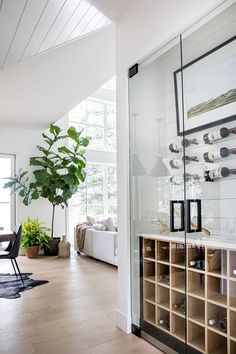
{"x": 12, "y": 157}
{"x": 85, "y": 124}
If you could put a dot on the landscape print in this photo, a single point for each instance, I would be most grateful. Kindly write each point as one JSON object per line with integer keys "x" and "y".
{"x": 209, "y": 89}
{"x": 222, "y": 100}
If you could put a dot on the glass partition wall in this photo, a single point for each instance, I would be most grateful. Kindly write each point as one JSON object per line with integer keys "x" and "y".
{"x": 183, "y": 189}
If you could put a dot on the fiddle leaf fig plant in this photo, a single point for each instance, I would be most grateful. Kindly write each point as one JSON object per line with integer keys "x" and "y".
{"x": 57, "y": 172}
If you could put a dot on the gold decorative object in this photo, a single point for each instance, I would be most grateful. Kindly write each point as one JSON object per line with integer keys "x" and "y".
{"x": 164, "y": 225}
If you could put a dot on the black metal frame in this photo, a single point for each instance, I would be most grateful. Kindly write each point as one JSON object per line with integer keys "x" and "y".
{"x": 208, "y": 125}
{"x": 199, "y": 215}
{"x": 172, "y": 215}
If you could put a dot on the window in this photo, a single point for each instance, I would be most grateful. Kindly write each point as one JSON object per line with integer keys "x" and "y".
{"x": 7, "y": 202}
{"x": 96, "y": 197}
{"x": 98, "y": 120}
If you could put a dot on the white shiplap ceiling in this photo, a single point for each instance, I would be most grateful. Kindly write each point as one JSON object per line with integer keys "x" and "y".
{"x": 30, "y": 27}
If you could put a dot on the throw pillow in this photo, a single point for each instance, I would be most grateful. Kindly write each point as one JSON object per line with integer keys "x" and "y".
{"x": 109, "y": 224}
{"x": 90, "y": 220}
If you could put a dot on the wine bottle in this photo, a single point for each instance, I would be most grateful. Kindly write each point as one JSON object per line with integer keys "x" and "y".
{"x": 218, "y": 173}
{"x": 164, "y": 323}
{"x": 211, "y": 156}
{"x": 181, "y": 306}
{"x": 176, "y": 147}
{"x": 223, "y": 132}
{"x": 177, "y": 163}
{"x": 222, "y": 324}
{"x": 219, "y": 321}
{"x": 188, "y": 177}
{"x": 197, "y": 263}
{"x": 165, "y": 278}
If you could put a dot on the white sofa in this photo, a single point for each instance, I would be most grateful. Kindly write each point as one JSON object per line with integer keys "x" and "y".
{"x": 101, "y": 245}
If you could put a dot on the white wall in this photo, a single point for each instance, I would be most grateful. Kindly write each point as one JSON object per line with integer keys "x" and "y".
{"x": 146, "y": 26}
{"x": 22, "y": 143}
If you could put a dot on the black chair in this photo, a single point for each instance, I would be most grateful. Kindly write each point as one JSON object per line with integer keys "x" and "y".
{"x": 12, "y": 251}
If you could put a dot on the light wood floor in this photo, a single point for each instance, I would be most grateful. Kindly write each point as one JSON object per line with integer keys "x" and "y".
{"x": 73, "y": 314}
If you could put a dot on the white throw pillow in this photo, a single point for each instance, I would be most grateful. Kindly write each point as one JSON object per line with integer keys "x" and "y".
{"x": 99, "y": 227}
{"x": 90, "y": 220}
{"x": 109, "y": 224}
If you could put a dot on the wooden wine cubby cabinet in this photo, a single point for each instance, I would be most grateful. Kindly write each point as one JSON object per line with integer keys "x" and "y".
{"x": 186, "y": 297}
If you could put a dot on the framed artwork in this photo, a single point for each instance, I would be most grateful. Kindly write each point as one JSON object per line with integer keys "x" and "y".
{"x": 209, "y": 89}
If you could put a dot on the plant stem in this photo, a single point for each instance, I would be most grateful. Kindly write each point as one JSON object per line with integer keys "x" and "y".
{"x": 53, "y": 214}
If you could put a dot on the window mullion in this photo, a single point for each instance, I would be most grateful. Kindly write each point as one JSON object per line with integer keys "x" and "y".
{"x": 105, "y": 125}
{"x": 105, "y": 191}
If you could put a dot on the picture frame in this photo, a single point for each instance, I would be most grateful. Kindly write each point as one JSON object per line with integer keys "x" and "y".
{"x": 208, "y": 84}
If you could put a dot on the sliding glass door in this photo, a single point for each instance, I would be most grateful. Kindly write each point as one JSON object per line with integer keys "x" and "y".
{"x": 182, "y": 185}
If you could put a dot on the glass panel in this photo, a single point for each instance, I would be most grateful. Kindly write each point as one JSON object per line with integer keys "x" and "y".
{"x": 157, "y": 200}
{"x": 209, "y": 81}
{"x": 185, "y": 290}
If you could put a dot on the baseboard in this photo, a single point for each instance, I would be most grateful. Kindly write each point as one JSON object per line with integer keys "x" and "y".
{"x": 123, "y": 321}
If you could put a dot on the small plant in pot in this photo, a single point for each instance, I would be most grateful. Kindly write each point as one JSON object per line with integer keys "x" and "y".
{"x": 34, "y": 236}
{"x": 57, "y": 173}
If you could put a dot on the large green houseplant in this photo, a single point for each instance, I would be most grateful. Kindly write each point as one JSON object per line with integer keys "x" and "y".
{"x": 57, "y": 173}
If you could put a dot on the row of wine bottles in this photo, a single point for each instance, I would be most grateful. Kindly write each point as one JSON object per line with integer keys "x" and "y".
{"x": 208, "y": 138}
{"x": 210, "y": 156}
{"x": 219, "y": 321}
{"x": 208, "y": 176}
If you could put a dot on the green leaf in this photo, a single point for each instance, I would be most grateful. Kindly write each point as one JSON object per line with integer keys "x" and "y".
{"x": 72, "y": 133}
{"x": 22, "y": 174}
{"x": 34, "y": 161}
{"x": 48, "y": 140}
{"x": 22, "y": 193}
{"x": 35, "y": 195}
{"x": 27, "y": 199}
{"x": 40, "y": 175}
{"x": 54, "y": 129}
{"x": 43, "y": 150}
{"x": 65, "y": 150}
{"x": 9, "y": 184}
{"x": 69, "y": 179}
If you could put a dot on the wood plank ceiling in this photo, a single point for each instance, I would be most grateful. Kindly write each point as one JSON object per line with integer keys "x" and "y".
{"x": 30, "y": 27}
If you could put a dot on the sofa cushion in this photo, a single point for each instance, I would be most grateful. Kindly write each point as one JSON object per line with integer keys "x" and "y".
{"x": 109, "y": 224}
{"x": 99, "y": 227}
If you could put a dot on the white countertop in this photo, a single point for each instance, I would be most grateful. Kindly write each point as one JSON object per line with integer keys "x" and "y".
{"x": 198, "y": 239}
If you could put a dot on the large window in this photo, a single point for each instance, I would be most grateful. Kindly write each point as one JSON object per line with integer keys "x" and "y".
{"x": 98, "y": 120}
{"x": 7, "y": 205}
{"x": 96, "y": 197}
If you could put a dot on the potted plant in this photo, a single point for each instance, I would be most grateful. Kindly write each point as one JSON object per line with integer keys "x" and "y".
{"x": 34, "y": 236}
{"x": 56, "y": 174}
